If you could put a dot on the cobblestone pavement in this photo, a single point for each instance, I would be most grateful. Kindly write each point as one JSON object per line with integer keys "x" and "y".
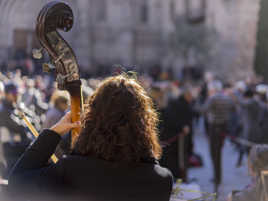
{"x": 233, "y": 178}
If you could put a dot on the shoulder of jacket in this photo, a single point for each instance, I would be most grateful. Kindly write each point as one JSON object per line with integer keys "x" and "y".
{"x": 162, "y": 171}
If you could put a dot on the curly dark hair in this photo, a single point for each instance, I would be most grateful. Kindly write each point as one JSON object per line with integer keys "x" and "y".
{"x": 120, "y": 123}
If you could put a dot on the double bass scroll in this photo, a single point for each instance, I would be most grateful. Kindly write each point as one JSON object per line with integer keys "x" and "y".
{"x": 59, "y": 16}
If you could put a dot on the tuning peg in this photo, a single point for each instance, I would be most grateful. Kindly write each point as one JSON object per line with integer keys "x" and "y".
{"x": 37, "y": 53}
{"x": 47, "y": 67}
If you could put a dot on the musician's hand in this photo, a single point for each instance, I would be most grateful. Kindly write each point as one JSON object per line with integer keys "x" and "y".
{"x": 65, "y": 124}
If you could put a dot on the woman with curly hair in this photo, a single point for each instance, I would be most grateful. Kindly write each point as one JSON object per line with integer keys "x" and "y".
{"x": 114, "y": 158}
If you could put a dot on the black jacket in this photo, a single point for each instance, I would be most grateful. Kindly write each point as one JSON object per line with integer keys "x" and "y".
{"x": 6, "y": 109}
{"x": 76, "y": 177}
{"x": 179, "y": 113}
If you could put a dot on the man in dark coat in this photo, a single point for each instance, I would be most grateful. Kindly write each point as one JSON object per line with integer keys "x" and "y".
{"x": 6, "y": 110}
{"x": 15, "y": 146}
{"x": 177, "y": 134}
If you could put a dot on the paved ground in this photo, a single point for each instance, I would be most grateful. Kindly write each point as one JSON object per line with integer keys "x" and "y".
{"x": 233, "y": 178}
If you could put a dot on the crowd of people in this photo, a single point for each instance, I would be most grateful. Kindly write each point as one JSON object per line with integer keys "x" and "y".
{"x": 235, "y": 111}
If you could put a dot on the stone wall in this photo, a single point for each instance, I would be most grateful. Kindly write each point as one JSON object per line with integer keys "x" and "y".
{"x": 137, "y": 32}
{"x": 236, "y": 24}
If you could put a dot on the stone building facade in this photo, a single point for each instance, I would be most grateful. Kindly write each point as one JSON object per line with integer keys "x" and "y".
{"x": 137, "y": 32}
{"x": 236, "y": 22}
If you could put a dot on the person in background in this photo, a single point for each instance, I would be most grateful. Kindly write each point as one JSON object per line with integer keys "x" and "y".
{"x": 252, "y": 115}
{"x": 32, "y": 98}
{"x": 6, "y": 109}
{"x": 2, "y": 91}
{"x": 257, "y": 166}
{"x": 261, "y": 91}
{"x": 218, "y": 110}
{"x": 2, "y": 158}
{"x": 177, "y": 134}
{"x": 15, "y": 140}
{"x": 237, "y": 127}
{"x": 60, "y": 104}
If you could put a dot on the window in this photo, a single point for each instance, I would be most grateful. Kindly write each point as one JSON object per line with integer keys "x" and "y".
{"x": 172, "y": 9}
{"x": 24, "y": 39}
{"x": 144, "y": 12}
{"x": 195, "y": 11}
{"x": 101, "y": 10}
{"x": 21, "y": 38}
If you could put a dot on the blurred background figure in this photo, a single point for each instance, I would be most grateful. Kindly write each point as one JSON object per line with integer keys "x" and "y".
{"x": 33, "y": 98}
{"x": 264, "y": 114}
{"x": 237, "y": 126}
{"x": 218, "y": 109}
{"x": 2, "y": 91}
{"x": 177, "y": 134}
{"x": 15, "y": 140}
{"x": 6, "y": 109}
{"x": 59, "y": 105}
{"x": 2, "y": 159}
{"x": 257, "y": 165}
{"x": 252, "y": 115}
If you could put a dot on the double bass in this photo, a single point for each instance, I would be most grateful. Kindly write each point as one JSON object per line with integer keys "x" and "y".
{"x": 53, "y": 16}
{"x": 56, "y": 16}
